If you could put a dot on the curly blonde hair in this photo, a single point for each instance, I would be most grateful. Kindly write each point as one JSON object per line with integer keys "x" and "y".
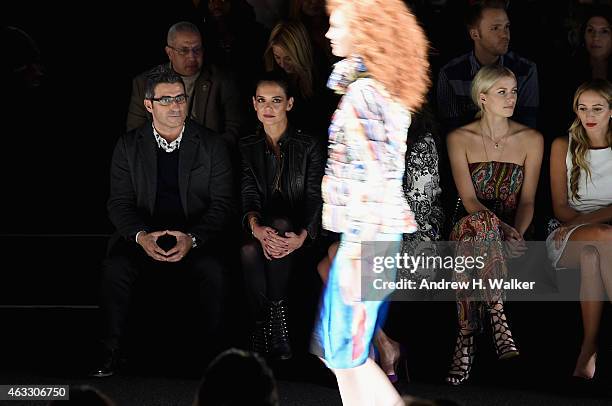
{"x": 580, "y": 140}
{"x": 293, "y": 38}
{"x": 392, "y": 44}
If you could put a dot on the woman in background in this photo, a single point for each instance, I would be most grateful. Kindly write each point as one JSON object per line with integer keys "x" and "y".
{"x": 289, "y": 49}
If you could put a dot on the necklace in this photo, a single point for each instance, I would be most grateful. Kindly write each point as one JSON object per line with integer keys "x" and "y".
{"x": 495, "y": 143}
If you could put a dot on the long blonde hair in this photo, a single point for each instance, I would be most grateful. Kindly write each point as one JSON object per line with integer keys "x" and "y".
{"x": 484, "y": 81}
{"x": 392, "y": 44}
{"x": 579, "y": 145}
{"x": 293, "y": 38}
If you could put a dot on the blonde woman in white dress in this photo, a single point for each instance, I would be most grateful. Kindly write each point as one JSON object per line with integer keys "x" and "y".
{"x": 581, "y": 183}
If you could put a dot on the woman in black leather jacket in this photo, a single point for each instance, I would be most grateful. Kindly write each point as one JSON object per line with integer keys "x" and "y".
{"x": 281, "y": 200}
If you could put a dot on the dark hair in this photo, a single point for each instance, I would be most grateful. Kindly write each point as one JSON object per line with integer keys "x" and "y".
{"x": 278, "y": 77}
{"x": 218, "y": 386}
{"x": 21, "y": 67}
{"x": 580, "y": 54}
{"x": 22, "y": 50}
{"x": 423, "y": 124}
{"x": 161, "y": 74}
{"x": 240, "y": 11}
{"x": 473, "y": 14}
{"x": 595, "y": 11}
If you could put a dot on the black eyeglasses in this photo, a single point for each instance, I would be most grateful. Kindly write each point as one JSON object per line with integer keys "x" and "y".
{"x": 186, "y": 51}
{"x": 168, "y": 100}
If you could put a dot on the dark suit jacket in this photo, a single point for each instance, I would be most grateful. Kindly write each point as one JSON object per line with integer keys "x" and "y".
{"x": 215, "y": 104}
{"x": 205, "y": 182}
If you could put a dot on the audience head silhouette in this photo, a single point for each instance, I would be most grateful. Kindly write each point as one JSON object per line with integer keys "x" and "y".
{"x": 218, "y": 388}
{"x": 21, "y": 66}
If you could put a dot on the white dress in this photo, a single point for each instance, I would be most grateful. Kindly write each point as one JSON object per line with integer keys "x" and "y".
{"x": 595, "y": 192}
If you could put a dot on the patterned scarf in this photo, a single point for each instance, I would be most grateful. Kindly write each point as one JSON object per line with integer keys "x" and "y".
{"x": 346, "y": 72}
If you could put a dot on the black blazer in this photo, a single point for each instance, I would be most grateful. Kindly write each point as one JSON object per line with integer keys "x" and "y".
{"x": 303, "y": 165}
{"x": 205, "y": 182}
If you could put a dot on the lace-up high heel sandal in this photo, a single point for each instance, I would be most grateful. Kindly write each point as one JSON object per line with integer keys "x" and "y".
{"x": 463, "y": 357}
{"x": 502, "y": 336}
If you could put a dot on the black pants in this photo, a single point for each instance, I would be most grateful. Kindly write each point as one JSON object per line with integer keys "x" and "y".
{"x": 123, "y": 267}
{"x": 266, "y": 280}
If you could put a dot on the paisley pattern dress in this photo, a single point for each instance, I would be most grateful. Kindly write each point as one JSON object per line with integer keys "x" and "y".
{"x": 497, "y": 186}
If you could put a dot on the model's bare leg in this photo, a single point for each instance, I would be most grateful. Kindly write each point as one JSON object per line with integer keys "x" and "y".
{"x": 366, "y": 385}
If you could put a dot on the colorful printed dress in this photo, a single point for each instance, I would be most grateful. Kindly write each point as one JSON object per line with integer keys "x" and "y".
{"x": 364, "y": 201}
{"x": 497, "y": 186}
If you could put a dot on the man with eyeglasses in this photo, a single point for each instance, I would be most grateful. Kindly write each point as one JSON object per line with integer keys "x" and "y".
{"x": 213, "y": 100}
{"x": 171, "y": 199}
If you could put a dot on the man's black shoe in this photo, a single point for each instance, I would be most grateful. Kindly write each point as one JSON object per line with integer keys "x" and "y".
{"x": 107, "y": 363}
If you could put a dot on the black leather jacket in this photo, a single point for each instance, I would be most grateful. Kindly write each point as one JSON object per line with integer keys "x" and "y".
{"x": 303, "y": 163}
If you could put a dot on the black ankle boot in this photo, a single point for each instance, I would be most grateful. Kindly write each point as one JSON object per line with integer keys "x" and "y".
{"x": 260, "y": 338}
{"x": 279, "y": 331}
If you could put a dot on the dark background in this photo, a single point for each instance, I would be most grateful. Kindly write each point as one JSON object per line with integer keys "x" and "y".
{"x": 56, "y": 150}
{"x": 60, "y": 137}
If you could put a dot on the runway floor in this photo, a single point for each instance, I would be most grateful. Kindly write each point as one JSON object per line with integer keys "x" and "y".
{"x": 52, "y": 346}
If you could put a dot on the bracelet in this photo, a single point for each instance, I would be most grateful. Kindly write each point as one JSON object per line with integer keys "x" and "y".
{"x": 138, "y": 234}
{"x": 194, "y": 241}
{"x": 252, "y": 223}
